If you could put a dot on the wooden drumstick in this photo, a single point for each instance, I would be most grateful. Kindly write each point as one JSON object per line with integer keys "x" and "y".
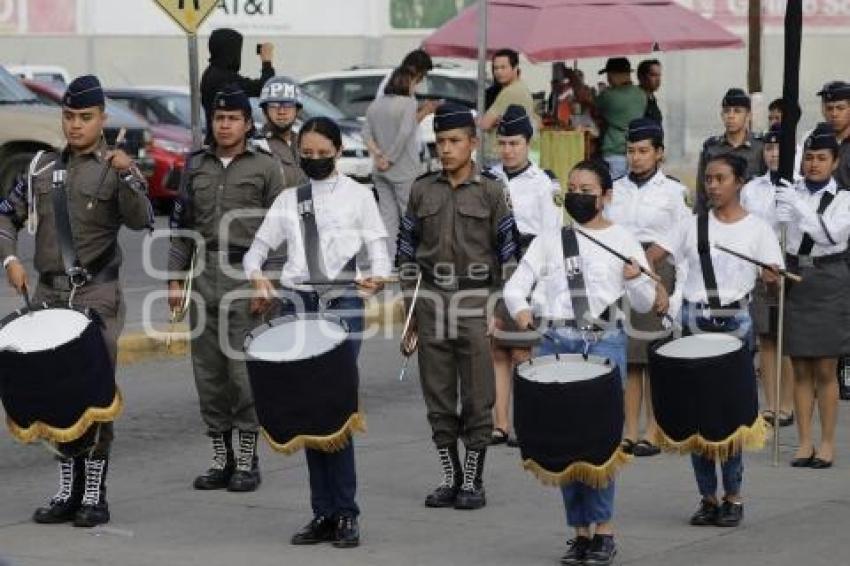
{"x": 618, "y": 255}
{"x": 404, "y": 330}
{"x": 345, "y": 282}
{"x": 26, "y": 293}
{"x": 784, "y": 273}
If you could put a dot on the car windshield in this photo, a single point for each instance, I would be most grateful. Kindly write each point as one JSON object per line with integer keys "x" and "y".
{"x": 314, "y": 106}
{"x": 448, "y": 87}
{"x": 12, "y": 91}
{"x": 179, "y": 106}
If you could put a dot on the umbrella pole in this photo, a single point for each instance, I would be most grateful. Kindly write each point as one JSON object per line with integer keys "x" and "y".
{"x": 482, "y": 74}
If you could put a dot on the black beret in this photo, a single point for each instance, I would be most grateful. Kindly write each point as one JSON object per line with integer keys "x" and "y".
{"x": 644, "y": 129}
{"x": 231, "y": 97}
{"x": 834, "y": 91}
{"x": 822, "y": 137}
{"x": 736, "y": 97}
{"x": 84, "y": 92}
{"x": 515, "y": 122}
{"x": 773, "y": 134}
{"x": 450, "y": 115}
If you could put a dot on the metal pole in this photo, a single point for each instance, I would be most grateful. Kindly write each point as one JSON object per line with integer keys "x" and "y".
{"x": 780, "y": 336}
{"x": 194, "y": 89}
{"x": 482, "y": 71}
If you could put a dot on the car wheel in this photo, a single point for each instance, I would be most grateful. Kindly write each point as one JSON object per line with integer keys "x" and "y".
{"x": 10, "y": 168}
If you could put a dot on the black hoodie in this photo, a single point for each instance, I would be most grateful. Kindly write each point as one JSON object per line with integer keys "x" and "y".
{"x": 225, "y": 60}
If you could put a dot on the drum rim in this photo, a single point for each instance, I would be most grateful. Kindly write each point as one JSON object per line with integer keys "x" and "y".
{"x": 654, "y": 348}
{"x": 549, "y": 358}
{"x": 43, "y": 306}
{"x": 278, "y": 321}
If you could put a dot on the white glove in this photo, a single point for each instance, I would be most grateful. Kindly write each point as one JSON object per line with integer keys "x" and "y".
{"x": 789, "y": 199}
{"x": 784, "y": 212}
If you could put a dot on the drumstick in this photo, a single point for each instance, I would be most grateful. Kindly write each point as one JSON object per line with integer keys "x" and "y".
{"x": 119, "y": 141}
{"x": 346, "y": 282}
{"x": 784, "y": 273}
{"x": 617, "y": 254}
{"x": 407, "y": 322}
{"x": 26, "y": 293}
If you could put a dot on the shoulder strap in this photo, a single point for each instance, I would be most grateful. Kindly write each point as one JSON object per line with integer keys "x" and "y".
{"x": 704, "y": 251}
{"x": 575, "y": 277}
{"x": 62, "y": 218}
{"x": 310, "y": 237}
{"x": 807, "y": 243}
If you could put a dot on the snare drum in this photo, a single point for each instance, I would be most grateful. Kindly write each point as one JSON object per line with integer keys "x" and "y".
{"x": 303, "y": 374}
{"x": 705, "y": 396}
{"x": 56, "y": 375}
{"x": 568, "y": 416}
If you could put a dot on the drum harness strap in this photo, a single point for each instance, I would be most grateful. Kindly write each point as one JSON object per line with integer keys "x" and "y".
{"x": 312, "y": 244}
{"x": 578, "y": 288}
{"x": 717, "y": 323}
{"x": 807, "y": 243}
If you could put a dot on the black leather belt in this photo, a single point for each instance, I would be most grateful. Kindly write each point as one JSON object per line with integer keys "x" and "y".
{"x": 605, "y": 316}
{"x": 59, "y": 281}
{"x": 796, "y": 261}
{"x": 456, "y": 283}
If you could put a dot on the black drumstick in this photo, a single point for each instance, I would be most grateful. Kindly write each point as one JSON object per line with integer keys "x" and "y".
{"x": 617, "y": 254}
{"x": 26, "y": 293}
{"x": 784, "y": 273}
{"x": 119, "y": 143}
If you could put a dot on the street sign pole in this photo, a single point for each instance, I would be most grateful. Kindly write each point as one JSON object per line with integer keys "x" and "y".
{"x": 195, "y": 90}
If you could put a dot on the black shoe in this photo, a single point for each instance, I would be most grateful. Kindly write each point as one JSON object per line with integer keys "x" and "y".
{"x": 347, "y": 533}
{"x": 706, "y": 514}
{"x": 645, "y": 448}
{"x": 730, "y": 514}
{"x": 247, "y": 475}
{"x": 223, "y": 463}
{"x": 577, "y": 551}
{"x": 627, "y": 446}
{"x": 64, "y": 505}
{"x": 94, "y": 510}
{"x": 786, "y": 419}
{"x": 498, "y": 436}
{"x": 471, "y": 496}
{"x": 601, "y": 552}
{"x": 820, "y": 464}
{"x": 320, "y": 529}
{"x": 446, "y": 493}
{"x": 803, "y": 462}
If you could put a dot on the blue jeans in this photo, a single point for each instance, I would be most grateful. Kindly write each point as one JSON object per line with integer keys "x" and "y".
{"x": 705, "y": 471}
{"x": 586, "y": 505}
{"x": 617, "y": 165}
{"x": 691, "y": 319}
{"x": 333, "y": 476}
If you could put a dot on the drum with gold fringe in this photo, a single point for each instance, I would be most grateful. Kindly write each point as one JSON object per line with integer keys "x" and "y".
{"x": 56, "y": 375}
{"x": 568, "y": 416}
{"x": 303, "y": 374}
{"x": 705, "y": 396}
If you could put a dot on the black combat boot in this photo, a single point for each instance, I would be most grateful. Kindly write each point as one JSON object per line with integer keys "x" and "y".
{"x": 223, "y": 463}
{"x": 64, "y": 505}
{"x": 446, "y": 493}
{"x": 247, "y": 474}
{"x": 93, "y": 509}
{"x": 471, "y": 493}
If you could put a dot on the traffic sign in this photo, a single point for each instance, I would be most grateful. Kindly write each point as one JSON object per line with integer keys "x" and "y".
{"x": 188, "y": 14}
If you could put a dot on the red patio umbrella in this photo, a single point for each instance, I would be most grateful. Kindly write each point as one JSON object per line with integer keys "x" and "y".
{"x": 556, "y": 30}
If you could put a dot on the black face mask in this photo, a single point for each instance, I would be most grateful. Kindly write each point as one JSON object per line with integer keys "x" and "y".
{"x": 581, "y": 207}
{"x": 318, "y": 169}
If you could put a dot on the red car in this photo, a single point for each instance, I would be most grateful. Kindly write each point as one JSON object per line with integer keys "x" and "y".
{"x": 157, "y": 148}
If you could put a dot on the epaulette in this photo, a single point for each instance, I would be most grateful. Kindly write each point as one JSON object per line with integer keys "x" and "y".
{"x": 551, "y": 174}
{"x": 672, "y": 178}
{"x": 490, "y": 175}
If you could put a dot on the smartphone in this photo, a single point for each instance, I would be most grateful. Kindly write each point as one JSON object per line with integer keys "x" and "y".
{"x": 259, "y": 48}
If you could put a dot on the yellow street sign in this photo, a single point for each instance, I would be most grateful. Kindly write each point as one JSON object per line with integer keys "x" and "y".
{"x": 188, "y": 14}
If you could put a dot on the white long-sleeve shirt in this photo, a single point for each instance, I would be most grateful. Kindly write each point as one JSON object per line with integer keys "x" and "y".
{"x": 735, "y": 277}
{"x": 759, "y": 197}
{"x": 836, "y": 222}
{"x": 648, "y": 211}
{"x": 543, "y": 264}
{"x": 347, "y": 219}
{"x": 532, "y": 195}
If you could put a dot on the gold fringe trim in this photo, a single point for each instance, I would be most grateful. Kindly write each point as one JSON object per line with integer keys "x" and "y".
{"x": 595, "y": 476}
{"x": 41, "y": 431}
{"x": 750, "y": 438}
{"x": 331, "y": 443}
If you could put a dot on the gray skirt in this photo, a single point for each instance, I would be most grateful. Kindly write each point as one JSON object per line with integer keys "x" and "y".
{"x": 817, "y": 312}
{"x": 764, "y": 309}
{"x": 645, "y": 328}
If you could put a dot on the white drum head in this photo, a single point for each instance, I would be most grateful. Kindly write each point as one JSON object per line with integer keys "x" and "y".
{"x": 42, "y": 330}
{"x": 570, "y": 368}
{"x": 707, "y": 345}
{"x": 298, "y": 339}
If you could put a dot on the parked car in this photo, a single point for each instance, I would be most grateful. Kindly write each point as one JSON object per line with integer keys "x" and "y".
{"x": 28, "y": 126}
{"x": 44, "y": 73}
{"x": 156, "y": 148}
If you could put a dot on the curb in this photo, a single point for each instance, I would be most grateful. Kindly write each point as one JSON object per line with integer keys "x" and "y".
{"x": 140, "y": 347}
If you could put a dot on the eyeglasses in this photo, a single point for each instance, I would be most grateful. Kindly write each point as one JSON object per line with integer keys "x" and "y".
{"x": 280, "y": 105}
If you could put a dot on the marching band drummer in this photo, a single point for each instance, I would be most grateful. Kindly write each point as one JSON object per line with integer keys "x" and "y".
{"x": 326, "y": 250}
{"x": 817, "y": 308}
{"x": 715, "y": 300}
{"x": 105, "y": 191}
{"x": 647, "y": 203}
{"x": 531, "y": 191}
{"x": 606, "y": 279}
{"x": 759, "y": 197}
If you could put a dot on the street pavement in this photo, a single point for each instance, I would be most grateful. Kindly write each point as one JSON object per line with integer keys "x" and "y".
{"x": 793, "y": 516}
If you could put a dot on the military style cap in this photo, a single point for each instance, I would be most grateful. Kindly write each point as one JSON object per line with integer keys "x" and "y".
{"x": 834, "y": 91}
{"x": 737, "y": 98}
{"x": 84, "y": 92}
{"x": 644, "y": 129}
{"x": 231, "y": 97}
{"x": 515, "y": 122}
{"x": 822, "y": 137}
{"x": 773, "y": 134}
{"x": 450, "y": 115}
